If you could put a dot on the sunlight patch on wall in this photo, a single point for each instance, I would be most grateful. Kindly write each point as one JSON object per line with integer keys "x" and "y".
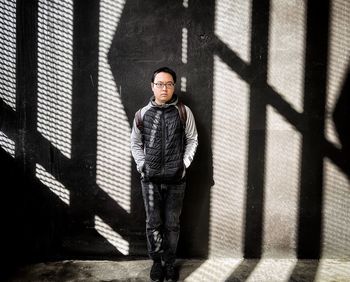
{"x": 8, "y": 64}
{"x": 8, "y": 52}
{"x": 336, "y": 203}
{"x": 113, "y": 130}
{"x": 185, "y": 3}
{"x": 283, "y": 149}
{"x": 338, "y": 61}
{"x": 229, "y": 143}
{"x": 55, "y": 186}
{"x": 184, "y": 55}
{"x": 112, "y": 237}
{"x": 184, "y": 45}
{"x": 287, "y": 50}
{"x": 214, "y": 270}
{"x": 232, "y": 25}
{"x": 55, "y": 66}
{"x": 183, "y": 84}
{"x": 7, "y": 144}
{"x": 336, "y": 211}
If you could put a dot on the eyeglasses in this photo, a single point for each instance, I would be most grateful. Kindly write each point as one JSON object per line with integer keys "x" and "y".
{"x": 160, "y": 85}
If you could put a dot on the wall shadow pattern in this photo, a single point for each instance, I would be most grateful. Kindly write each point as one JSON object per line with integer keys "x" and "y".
{"x": 136, "y": 55}
{"x": 53, "y": 229}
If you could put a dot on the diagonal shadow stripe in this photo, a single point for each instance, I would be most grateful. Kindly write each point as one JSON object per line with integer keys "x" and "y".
{"x": 274, "y": 99}
{"x": 242, "y": 272}
{"x": 39, "y": 148}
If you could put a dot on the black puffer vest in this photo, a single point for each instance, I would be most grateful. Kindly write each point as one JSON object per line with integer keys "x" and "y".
{"x": 163, "y": 137}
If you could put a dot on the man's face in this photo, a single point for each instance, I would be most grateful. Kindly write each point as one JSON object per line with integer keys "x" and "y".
{"x": 163, "y": 87}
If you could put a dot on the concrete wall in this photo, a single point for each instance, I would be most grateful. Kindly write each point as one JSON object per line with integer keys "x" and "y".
{"x": 267, "y": 81}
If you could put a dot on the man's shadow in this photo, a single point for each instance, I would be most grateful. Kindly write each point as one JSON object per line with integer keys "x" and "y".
{"x": 149, "y": 36}
{"x": 341, "y": 121}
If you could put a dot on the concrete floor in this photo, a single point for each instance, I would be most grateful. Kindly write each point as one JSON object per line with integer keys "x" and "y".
{"x": 190, "y": 270}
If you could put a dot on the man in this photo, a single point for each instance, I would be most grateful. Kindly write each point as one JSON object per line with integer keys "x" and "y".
{"x": 163, "y": 144}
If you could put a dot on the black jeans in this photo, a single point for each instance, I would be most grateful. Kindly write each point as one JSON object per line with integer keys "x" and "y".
{"x": 163, "y": 205}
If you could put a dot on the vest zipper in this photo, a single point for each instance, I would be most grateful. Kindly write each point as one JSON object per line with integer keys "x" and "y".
{"x": 163, "y": 144}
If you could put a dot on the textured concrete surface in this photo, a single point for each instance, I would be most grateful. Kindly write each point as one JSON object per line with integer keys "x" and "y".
{"x": 190, "y": 270}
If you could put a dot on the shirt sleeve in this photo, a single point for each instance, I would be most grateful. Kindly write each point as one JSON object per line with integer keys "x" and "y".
{"x": 137, "y": 150}
{"x": 191, "y": 137}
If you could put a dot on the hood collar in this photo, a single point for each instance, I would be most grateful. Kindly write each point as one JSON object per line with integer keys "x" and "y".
{"x": 172, "y": 102}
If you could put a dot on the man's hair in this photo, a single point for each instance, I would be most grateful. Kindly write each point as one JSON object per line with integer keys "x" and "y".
{"x": 164, "y": 69}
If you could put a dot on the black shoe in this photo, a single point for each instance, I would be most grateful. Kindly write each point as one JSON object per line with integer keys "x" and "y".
{"x": 171, "y": 273}
{"x": 157, "y": 271}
